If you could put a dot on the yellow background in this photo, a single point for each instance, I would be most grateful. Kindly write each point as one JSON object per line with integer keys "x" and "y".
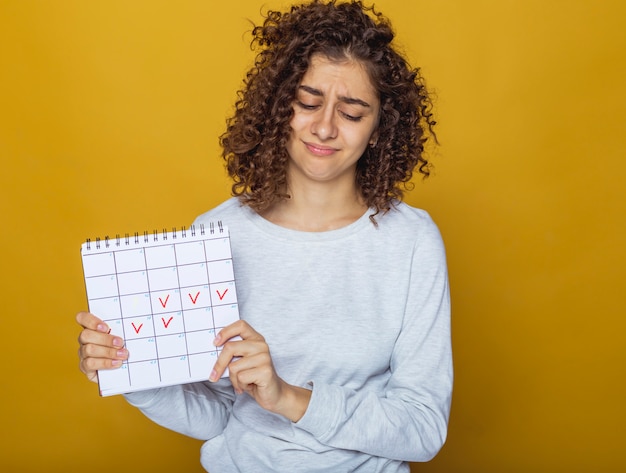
{"x": 109, "y": 118}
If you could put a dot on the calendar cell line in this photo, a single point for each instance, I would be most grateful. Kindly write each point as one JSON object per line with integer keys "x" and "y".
{"x": 196, "y": 297}
{"x": 220, "y": 271}
{"x": 198, "y": 319}
{"x": 223, "y": 293}
{"x": 160, "y": 256}
{"x": 193, "y": 274}
{"x": 106, "y": 308}
{"x": 100, "y": 265}
{"x": 163, "y": 278}
{"x": 130, "y": 260}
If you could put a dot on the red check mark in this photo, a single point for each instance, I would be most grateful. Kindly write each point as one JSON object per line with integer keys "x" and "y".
{"x": 221, "y": 296}
{"x": 137, "y": 329}
{"x": 164, "y": 302}
{"x": 166, "y": 323}
{"x": 194, "y": 299}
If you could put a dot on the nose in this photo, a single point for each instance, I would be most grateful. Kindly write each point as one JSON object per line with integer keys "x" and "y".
{"x": 323, "y": 125}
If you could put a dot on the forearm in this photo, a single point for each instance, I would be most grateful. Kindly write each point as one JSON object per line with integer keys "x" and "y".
{"x": 390, "y": 426}
{"x": 294, "y": 402}
{"x": 194, "y": 409}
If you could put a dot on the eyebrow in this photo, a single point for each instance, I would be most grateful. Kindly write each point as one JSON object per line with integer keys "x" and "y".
{"x": 342, "y": 98}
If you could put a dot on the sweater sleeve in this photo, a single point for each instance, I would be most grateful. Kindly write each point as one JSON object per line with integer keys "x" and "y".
{"x": 198, "y": 410}
{"x": 408, "y": 420}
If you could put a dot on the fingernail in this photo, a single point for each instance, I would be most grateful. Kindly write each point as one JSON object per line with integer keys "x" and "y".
{"x": 213, "y": 376}
{"x": 103, "y": 328}
{"x": 118, "y": 342}
{"x": 122, "y": 353}
{"x": 217, "y": 340}
{"x": 116, "y": 362}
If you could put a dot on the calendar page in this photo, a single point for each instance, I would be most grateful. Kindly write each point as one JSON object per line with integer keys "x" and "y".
{"x": 166, "y": 294}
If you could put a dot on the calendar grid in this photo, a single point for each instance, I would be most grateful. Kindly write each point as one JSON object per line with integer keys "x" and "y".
{"x": 123, "y": 331}
{"x": 183, "y": 320}
{"x": 166, "y": 295}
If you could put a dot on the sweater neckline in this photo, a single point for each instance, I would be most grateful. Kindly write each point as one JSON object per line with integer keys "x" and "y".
{"x": 285, "y": 233}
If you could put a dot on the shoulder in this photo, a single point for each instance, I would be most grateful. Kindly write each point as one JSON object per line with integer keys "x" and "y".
{"x": 410, "y": 231}
{"x": 416, "y": 232}
{"x": 227, "y": 211}
{"x": 237, "y": 217}
{"x": 412, "y": 222}
{"x": 407, "y": 213}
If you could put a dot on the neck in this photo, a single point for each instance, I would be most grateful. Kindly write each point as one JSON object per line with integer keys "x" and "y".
{"x": 317, "y": 207}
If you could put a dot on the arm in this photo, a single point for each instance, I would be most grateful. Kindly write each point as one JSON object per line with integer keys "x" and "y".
{"x": 408, "y": 421}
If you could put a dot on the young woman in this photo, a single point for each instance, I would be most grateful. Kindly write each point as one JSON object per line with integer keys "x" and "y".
{"x": 342, "y": 360}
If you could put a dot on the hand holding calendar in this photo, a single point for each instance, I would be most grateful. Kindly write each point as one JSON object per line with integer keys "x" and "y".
{"x": 99, "y": 350}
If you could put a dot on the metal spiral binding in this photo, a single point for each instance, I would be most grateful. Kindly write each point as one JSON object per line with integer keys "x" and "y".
{"x": 127, "y": 240}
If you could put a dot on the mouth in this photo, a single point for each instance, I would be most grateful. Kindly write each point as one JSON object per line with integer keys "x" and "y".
{"x": 319, "y": 150}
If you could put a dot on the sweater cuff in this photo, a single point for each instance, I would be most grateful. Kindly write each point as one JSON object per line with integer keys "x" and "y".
{"x": 322, "y": 414}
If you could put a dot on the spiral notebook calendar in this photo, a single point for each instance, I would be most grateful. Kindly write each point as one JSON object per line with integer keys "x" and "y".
{"x": 166, "y": 294}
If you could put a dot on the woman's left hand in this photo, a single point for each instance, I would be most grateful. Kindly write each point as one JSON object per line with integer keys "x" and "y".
{"x": 251, "y": 371}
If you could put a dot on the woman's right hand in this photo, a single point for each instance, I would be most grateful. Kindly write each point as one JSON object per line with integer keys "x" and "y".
{"x": 98, "y": 348}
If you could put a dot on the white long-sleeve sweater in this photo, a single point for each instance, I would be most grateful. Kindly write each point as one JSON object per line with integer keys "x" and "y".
{"x": 359, "y": 315}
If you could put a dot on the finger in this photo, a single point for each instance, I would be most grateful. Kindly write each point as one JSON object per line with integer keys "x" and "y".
{"x": 237, "y": 329}
{"x": 93, "y": 357}
{"x": 90, "y": 321}
{"x": 233, "y": 350}
{"x": 88, "y": 336}
{"x": 255, "y": 370}
{"x": 100, "y": 352}
{"x": 223, "y": 360}
{"x": 90, "y": 366}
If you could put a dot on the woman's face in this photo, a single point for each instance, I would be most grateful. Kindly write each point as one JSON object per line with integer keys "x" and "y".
{"x": 335, "y": 118}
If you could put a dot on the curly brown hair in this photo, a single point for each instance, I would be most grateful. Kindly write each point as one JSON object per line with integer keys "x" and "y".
{"x": 254, "y": 144}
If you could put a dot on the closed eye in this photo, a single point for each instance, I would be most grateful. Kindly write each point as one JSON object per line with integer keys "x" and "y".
{"x": 306, "y": 106}
{"x": 352, "y": 118}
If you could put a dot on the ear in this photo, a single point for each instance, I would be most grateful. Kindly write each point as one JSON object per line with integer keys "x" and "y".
{"x": 373, "y": 139}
